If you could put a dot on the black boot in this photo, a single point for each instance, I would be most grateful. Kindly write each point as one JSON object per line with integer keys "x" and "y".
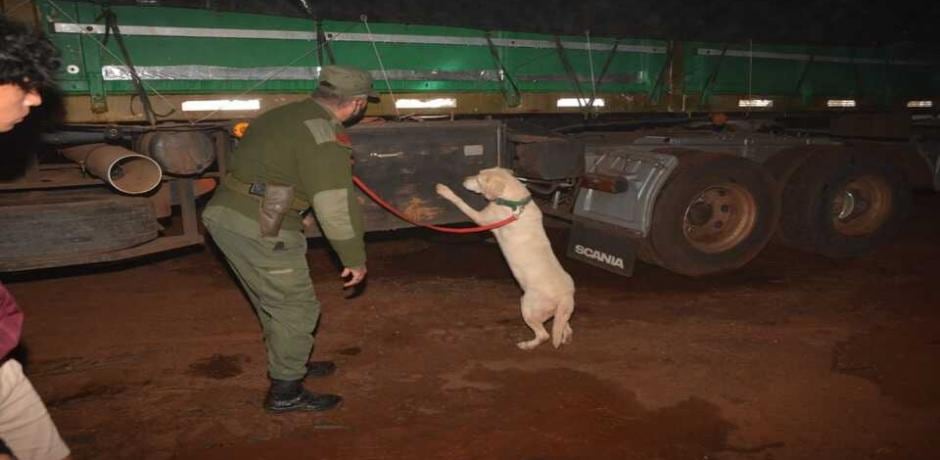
{"x": 290, "y": 395}
{"x": 319, "y": 369}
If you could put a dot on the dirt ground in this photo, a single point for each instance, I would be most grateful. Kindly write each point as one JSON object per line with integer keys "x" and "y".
{"x": 793, "y": 357}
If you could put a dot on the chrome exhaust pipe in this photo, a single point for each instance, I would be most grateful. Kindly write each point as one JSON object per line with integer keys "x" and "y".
{"x": 125, "y": 170}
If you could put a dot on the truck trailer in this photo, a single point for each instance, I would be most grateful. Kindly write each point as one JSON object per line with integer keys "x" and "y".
{"x": 690, "y": 155}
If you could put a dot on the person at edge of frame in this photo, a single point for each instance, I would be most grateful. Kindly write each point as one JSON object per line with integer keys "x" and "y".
{"x": 27, "y": 61}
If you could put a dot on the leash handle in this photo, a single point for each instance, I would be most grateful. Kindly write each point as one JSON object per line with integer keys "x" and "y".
{"x": 388, "y": 207}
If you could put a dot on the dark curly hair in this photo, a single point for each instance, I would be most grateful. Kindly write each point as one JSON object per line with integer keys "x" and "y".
{"x": 27, "y": 59}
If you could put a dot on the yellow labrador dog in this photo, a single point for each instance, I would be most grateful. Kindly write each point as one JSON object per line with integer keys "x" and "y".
{"x": 548, "y": 289}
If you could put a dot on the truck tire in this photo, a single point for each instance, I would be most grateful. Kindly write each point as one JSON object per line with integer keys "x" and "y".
{"x": 646, "y": 253}
{"x": 715, "y": 214}
{"x": 843, "y": 203}
{"x": 782, "y": 166}
{"x": 55, "y": 224}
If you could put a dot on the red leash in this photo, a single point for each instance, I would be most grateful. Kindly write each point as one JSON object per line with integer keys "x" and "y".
{"x": 375, "y": 197}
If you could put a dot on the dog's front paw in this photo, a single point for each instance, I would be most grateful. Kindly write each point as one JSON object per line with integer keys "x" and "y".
{"x": 444, "y": 191}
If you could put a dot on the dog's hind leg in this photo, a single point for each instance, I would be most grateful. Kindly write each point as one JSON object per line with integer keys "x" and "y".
{"x": 561, "y": 330}
{"x": 535, "y": 313}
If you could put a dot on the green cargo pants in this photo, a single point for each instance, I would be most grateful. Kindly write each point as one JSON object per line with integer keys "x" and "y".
{"x": 276, "y": 278}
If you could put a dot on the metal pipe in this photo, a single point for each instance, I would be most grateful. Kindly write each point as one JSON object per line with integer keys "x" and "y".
{"x": 73, "y": 137}
{"x": 123, "y": 169}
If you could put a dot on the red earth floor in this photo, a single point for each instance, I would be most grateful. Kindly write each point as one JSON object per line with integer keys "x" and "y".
{"x": 793, "y": 357}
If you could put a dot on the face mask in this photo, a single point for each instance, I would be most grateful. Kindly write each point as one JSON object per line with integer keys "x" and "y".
{"x": 358, "y": 114}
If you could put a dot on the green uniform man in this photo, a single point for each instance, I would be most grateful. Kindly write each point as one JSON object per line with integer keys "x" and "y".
{"x": 293, "y": 158}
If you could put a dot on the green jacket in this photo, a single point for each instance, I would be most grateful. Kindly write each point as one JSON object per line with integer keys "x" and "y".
{"x": 304, "y": 145}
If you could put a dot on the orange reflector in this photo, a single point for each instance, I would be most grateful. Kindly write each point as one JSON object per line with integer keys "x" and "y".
{"x": 718, "y": 119}
{"x": 238, "y": 130}
{"x": 204, "y": 186}
{"x": 604, "y": 183}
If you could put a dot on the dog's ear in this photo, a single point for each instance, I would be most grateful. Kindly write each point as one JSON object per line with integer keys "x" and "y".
{"x": 492, "y": 185}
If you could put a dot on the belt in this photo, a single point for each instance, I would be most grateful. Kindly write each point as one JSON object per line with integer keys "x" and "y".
{"x": 256, "y": 190}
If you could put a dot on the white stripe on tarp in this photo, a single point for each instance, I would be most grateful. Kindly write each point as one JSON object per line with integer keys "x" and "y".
{"x": 221, "y": 73}
{"x": 204, "y": 32}
{"x": 804, "y": 57}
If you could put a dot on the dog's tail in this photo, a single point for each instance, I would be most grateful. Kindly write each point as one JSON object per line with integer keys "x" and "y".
{"x": 561, "y": 331}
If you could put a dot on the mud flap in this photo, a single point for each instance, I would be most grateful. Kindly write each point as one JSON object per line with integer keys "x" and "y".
{"x": 602, "y": 245}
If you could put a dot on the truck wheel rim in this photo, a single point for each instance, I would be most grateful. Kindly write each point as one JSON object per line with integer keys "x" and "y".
{"x": 862, "y": 206}
{"x": 719, "y": 218}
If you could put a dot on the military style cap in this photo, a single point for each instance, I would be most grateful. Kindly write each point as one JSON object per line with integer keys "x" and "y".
{"x": 347, "y": 81}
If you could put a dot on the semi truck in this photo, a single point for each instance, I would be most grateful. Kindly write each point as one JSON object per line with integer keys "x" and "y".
{"x": 690, "y": 155}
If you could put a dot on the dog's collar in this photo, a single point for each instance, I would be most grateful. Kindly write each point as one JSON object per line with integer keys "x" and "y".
{"x": 515, "y": 205}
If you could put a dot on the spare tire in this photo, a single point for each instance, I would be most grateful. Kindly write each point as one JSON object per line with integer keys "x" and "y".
{"x": 842, "y": 203}
{"x": 68, "y": 223}
{"x": 715, "y": 214}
